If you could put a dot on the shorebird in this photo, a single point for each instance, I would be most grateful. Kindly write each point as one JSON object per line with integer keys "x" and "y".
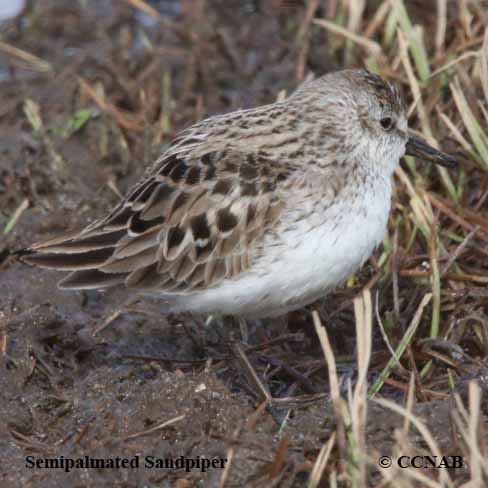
{"x": 255, "y": 212}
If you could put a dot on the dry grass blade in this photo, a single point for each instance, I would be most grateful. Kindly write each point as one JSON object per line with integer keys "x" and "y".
{"x": 356, "y": 12}
{"x": 162, "y": 425}
{"x": 312, "y": 6}
{"x": 377, "y": 20}
{"x": 440, "y": 36}
{"x": 415, "y": 41}
{"x": 427, "y": 437}
{"x": 16, "y": 216}
{"x": 363, "y": 311}
{"x": 450, "y": 64}
{"x": 33, "y": 61}
{"x": 483, "y": 58}
{"x": 250, "y": 372}
{"x": 144, "y": 7}
{"x": 468, "y": 424}
{"x": 32, "y": 111}
{"x": 406, "y": 340}
{"x": 280, "y": 457}
{"x": 125, "y": 120}
{"x": 409, "y": 404}
{"x": 479, "y": 138}
{"x": 329, "y": 356}
{"x": 340, "y": 407}
{"x": 383, "y": 331}
{"x": 460, "y": 277}
{"x": 321, "y": 463}
{"x": 456, "y": 133}
{"x": 414, "y": 85}
{"x": 372, "y": 47}
{"x": 458, "y": 251}
{"x": 421, "y": 110}
{"x": 364, "y": 326}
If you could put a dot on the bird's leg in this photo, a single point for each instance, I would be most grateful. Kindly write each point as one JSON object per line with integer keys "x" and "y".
{"x": 225, "y": 328}
{"x": 244, "y": 330}
{"x": 222, "y": 326}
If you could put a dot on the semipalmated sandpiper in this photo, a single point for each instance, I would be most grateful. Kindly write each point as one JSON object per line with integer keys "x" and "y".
{"x": 255, "y": 212}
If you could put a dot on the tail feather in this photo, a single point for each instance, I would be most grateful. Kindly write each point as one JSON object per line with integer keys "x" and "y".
{"x": 82, "y": 254}
{"x": 90, "y": 279}
{"x": 100, "y": 256}
{"x": 90, "y": 242}
{"x": 68, "y": 262}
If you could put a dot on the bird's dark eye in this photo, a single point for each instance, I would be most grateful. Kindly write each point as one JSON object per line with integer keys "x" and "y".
{"x": 386, "y": 123}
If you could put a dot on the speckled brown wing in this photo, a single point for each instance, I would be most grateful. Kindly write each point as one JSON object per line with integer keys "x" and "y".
{"x": 193, "y": 221}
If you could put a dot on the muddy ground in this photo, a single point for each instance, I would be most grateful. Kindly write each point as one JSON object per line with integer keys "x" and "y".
{"x": 69, "y": 391}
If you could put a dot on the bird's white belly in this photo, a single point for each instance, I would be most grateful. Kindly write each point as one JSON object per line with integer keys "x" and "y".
{"x": 308, "y": 261}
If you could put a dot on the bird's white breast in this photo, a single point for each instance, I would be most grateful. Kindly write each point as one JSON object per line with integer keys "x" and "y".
{"x": 304, "y": 258}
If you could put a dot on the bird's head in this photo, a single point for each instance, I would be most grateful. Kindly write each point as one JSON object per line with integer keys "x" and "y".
{"x": 364, "y": 116}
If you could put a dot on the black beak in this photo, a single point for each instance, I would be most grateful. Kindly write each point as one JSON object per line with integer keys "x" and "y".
{"x": 419, "y": 149}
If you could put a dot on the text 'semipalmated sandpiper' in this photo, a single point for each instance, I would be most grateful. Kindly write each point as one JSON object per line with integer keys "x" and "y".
{"x": 255, "y": 212}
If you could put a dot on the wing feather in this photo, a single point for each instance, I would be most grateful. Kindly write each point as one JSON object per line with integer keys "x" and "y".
{"x": 194, "y": 220}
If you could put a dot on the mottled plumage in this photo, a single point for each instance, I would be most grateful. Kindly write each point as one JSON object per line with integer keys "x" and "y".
{"x": 254, "y": 212}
